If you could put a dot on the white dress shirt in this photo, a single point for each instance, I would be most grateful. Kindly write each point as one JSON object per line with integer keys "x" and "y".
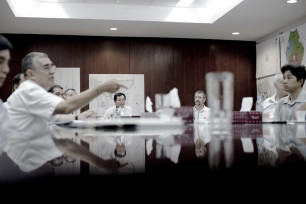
{"x": 202, "y": 115}
{"x": 126, "y": 111}
{"x": 269, "y": 107}
{"x": 30, "y": 108}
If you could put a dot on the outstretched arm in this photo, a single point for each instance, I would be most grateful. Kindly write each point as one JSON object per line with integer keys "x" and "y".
{"x": 82, "y": 99}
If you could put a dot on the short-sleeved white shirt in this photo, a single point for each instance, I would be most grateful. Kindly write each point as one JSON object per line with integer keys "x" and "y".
{"x": 202, "y": 115}
{"x": 126, "y": 111}
{"x": 285, "y": 109}
{"x": 269, "y": 107}
{"x": 30, "y": 108}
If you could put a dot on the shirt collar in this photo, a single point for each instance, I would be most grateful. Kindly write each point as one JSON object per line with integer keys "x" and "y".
{"x": 299, "y": 99}
{"x": 204, "y": 108}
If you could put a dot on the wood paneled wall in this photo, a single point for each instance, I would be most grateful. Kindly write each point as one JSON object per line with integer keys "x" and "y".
{"x": 165, "y": 62}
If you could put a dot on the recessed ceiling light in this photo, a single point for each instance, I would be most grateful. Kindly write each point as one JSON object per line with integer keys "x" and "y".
{"x": 113, "y": 28}
{"x": 291, "y": 1}
{"x": 235, "y": 33}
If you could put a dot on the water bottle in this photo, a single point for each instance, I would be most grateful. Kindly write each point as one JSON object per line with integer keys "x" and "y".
{"x": 259, "y": 106}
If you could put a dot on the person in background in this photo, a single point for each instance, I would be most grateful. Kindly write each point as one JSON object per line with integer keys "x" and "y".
{"x": 17, "y": 80}
{"x": 69, "y": 93}
{"x": 56, "y": 90}
{"x": 201, "y": 113}
{"x": 31, "y": 106}
{"x": 293, "y": 81}
{"x": 120, "y": 108}
{"x": 270, "y": 103}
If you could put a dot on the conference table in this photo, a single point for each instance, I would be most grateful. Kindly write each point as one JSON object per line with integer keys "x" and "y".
{"x": 156, "y": 149}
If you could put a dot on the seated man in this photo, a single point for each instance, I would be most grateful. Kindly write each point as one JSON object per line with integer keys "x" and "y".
{"x": 56, "y": 90}
{"x": 31, "y": 106}
{"x": 17, "y": 80}
{"x": 270, "y": 103}
{"x": 200, "y": 112}
{"x": 294, "y": 78}
{"x": 69, "y": 93}
{"x": 120, "y": 109}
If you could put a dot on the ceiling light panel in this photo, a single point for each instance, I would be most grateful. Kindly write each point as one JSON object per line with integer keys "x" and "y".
{"x": 129, "y": 10}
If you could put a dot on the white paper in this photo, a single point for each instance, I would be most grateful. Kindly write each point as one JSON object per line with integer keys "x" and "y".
{"x": 149, "y": 104}
{"x": 174, "y": 98}
{"x": 247, "y": 103}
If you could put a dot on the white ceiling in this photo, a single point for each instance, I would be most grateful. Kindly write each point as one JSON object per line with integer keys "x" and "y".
{"x": 256, "y": 20}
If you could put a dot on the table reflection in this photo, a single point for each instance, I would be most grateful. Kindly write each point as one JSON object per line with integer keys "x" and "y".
{"x": 192, "y": 151}
{"x": 124, "y": 148}
{"x": 290, "y": 145}
{"x": 26, "y": 155}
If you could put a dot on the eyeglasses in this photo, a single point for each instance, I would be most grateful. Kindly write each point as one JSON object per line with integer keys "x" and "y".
{"x": 49, "y": 67}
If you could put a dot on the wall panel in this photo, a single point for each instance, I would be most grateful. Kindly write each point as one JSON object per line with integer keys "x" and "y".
{"x": 192, "y": 60}
{"x": 154, "y": 59}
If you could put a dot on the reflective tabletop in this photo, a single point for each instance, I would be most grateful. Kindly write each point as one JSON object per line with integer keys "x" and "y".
{"x": 189, "y": 151}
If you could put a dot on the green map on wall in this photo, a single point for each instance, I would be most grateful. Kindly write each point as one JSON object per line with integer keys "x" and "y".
{"x": 295, "y": 49}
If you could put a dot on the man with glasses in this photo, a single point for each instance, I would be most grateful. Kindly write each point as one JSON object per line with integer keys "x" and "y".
{"x": 31, "y": 107}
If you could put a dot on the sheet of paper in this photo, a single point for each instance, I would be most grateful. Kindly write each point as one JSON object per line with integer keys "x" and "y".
{"x": 247, "y": 103}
